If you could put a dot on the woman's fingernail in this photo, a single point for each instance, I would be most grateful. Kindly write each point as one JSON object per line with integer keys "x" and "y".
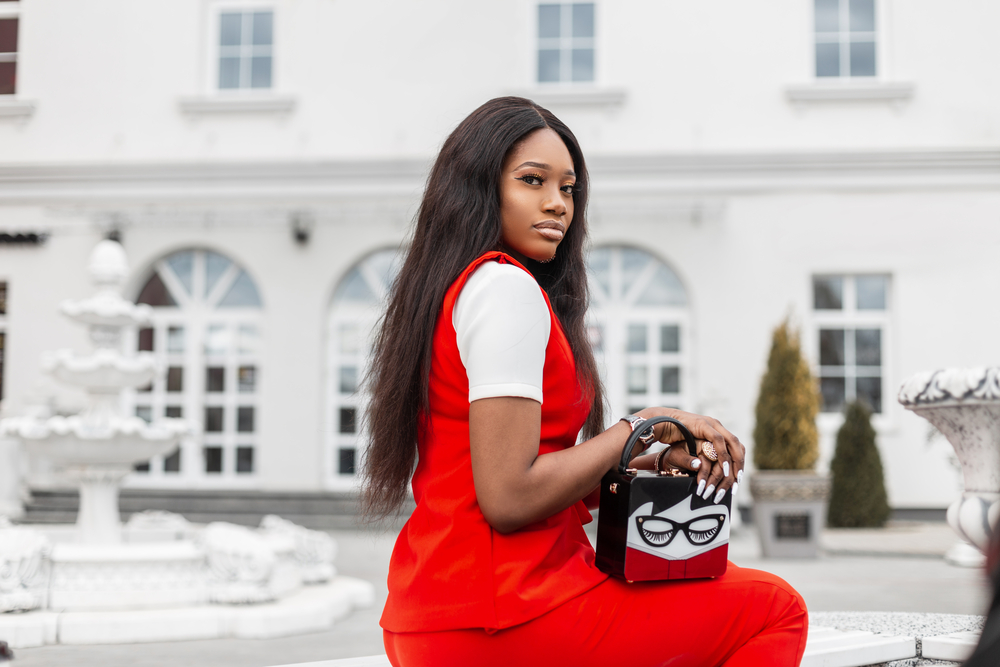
{"x": 701, "y": 487}
{"x": 708, "y": 491}
{"x": 725, "y": 468}
{"x": 736, "y": 487}
{"x": 739, "y": 476}
{"x": 720, "y": 495}
{"x": 695, "y": 464}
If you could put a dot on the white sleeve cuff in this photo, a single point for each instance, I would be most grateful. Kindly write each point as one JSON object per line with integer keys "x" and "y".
{"x": 510, "y": 389}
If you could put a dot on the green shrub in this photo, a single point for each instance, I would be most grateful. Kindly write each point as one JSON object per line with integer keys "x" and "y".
{"x": 857, "y": 499}
{"x": 785, "y": 436}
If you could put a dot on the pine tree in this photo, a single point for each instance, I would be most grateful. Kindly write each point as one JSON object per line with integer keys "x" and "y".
{"x": 858, "y": 498}
{"x": 785, "y": 436}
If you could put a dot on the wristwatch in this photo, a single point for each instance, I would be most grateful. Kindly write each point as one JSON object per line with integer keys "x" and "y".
{"x": 648, "y": 436}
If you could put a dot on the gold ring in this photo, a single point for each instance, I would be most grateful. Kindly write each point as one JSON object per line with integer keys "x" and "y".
{"x": 708, "y": 449}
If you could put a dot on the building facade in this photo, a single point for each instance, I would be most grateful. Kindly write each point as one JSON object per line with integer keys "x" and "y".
{"x": 831, "y": 161}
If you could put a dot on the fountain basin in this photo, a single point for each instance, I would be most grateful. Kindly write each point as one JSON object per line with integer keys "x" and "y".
{"x": 106, "y": 309}
{"x": 104, "y": 371}
{"x": 71, "y": 442}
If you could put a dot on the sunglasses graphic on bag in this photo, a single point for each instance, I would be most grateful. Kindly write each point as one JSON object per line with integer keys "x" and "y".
{"x": 657, "y": 531}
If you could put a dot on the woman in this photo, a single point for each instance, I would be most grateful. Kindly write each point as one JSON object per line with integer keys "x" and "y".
{"x": 483, "y": 378}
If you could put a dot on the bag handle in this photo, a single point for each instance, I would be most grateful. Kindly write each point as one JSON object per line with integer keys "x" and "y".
{"x": 634, "y": 438}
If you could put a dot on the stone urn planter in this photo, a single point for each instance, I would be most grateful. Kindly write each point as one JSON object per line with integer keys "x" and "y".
{"x": 964, "y": 405}
{"x": 789, "y": 511}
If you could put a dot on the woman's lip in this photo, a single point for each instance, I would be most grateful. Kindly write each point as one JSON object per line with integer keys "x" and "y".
{"x": 550, "y": 229}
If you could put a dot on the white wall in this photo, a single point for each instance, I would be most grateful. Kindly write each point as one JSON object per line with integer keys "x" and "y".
{"x": 704, "y": 159}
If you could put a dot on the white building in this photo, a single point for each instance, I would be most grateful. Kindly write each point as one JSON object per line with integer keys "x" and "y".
{"x": 261, "y": 160}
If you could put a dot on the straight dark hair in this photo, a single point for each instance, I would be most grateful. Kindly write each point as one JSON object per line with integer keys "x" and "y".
{"x": 458, "y": 221}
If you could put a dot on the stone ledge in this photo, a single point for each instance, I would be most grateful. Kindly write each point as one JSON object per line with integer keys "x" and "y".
{"x": 844, "y": 639}
{"x": 312, "y": 609}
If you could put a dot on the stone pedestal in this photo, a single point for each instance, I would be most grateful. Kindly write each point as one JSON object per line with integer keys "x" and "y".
{"x": 98, "y": 521}
{"x": 789, "y": 511}
{"x": 126, "y": 576}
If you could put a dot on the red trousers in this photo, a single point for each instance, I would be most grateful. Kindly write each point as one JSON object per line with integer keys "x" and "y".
{"x": 744, "y": 618}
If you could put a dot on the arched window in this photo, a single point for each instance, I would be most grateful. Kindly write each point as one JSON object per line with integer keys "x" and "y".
{"x": 356, "y": 306}
{"x": 206, "y": 333}
{"x": 638, "y": 326}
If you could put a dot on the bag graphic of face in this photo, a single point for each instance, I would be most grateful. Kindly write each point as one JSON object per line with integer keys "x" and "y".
{"x": 680, "y": 531}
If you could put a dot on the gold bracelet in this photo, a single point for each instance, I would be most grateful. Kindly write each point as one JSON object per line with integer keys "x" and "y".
{"x": 659, "y": 459}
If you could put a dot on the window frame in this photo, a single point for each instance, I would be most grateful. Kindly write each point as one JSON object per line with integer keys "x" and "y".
{"x": 213, "y": 48}
{"x": 624, "y": 312}
{"x": 879, "y": 35}
{"x": 196, "y": 315}
{"x": 595, "y": 45}
{"x": 365, "y": 316}
{"x": 12, "y": 10}
{"x": 850, "y": 318}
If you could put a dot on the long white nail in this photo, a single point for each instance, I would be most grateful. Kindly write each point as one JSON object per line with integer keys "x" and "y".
{"x": 708, "y": 491}
{"x": 719, "y": 496}
{"x": 736, "y": 487}
{"x": 725, "y": 468}
{"x": 739, "y": 477}
{"x": 701, "y": 487}
{"x": 695, "y": 464}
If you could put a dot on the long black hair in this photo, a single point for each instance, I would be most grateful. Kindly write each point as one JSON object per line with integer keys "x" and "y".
{"x": 458, "y": 221}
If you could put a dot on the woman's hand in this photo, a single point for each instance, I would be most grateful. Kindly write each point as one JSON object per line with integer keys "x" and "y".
{"x": 714, "y": 477}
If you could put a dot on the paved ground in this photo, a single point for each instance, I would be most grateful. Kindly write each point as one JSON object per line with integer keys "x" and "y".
{"x": 900, "y": 568}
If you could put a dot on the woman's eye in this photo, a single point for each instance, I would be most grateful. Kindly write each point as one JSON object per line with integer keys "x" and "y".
{"x": 568, "y": 189}
{"x": 531, "y": 179}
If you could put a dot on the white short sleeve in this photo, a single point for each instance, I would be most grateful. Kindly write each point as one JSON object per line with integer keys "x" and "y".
{"x": 502, "y": 323}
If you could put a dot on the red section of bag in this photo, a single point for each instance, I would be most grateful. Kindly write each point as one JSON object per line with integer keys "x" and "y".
{"x": 641, "y": 566}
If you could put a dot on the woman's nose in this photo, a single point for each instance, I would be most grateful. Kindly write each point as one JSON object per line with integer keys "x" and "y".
{"x": 554, "y": 204}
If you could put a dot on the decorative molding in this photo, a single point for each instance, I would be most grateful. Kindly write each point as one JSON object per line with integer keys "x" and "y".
{"x": 314, "y": 550}
{"x": 246, "y": 567}
{"x": 789, "y": 486}
{"x": 400, "y": 182}
{"x": 240, "y": 104}
{"x": 24, "y": 568}
{"x": 16, "y": 108}
{"x": 575, "y": 96}
{"x": 951, "y": 386}
{"x": 850, "y": 91}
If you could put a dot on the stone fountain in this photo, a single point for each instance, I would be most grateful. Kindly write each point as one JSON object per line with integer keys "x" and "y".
{"x": 98, "y": 447}
{"x": 964, "y": 405}
{"x": 162, "y": 583}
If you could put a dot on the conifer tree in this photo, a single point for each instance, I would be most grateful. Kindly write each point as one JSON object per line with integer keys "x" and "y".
{"x": 857, "y": 497}
{"x": 785, "y": 436}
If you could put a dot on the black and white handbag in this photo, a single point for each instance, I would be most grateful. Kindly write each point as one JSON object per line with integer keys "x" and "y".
{"x": 652, "y": 526}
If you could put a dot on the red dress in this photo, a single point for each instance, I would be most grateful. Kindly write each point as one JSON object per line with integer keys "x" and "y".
{"x": 461, "y": 594}
{"x": 449, "y": 568}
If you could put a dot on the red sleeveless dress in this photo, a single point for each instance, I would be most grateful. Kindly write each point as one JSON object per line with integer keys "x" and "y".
{"x": 449, "y": 569}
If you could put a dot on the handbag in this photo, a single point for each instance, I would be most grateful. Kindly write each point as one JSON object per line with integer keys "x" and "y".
{"x": 651, "y": 525}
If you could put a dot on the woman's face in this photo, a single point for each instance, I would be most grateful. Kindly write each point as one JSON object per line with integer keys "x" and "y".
{"x": 536, "y": 196}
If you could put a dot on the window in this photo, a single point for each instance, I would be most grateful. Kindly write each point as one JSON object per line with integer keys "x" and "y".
{"x": 206, "y": 334}
{"x": 845, "y": 38}
{"x": 638, "y": 324}
{"x": 851, "y": 317}
{"x": 246, "y": 45}
{"x": 566, "y": 42}
{"x": 356, "y": 306}
{"x": 8, "y": 54}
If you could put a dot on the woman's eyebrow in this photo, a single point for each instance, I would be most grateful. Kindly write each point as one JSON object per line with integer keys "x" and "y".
{"x": 542, "y": 165}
